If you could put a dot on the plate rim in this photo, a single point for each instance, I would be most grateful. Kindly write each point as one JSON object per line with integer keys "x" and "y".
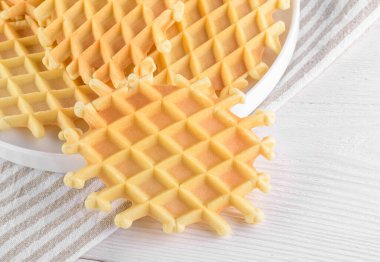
{"x": 257, "y": 94}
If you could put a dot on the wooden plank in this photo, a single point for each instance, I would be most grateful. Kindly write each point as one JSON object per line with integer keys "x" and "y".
{"x": 88, "y": 260}
{"x": 325, "y": 202}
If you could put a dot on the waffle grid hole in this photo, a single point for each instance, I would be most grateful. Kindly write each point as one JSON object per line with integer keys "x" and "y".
{"x": 15, "y": 66}
{"x": 207, "y": 156}
{"x": 56, "y": 82}
{"x": 177, "y": 207}
{"x": 10, "y": 107}
{"x": 133, "y": 130}
{"x": 221, "y": 20}
{"x": 203, "y": 190}
{"x": 234, "y": 140}
{"x": 4, "y": 92}
{"x": 7, "y": 50}
{"x": 231, "y": 176}
{"x": 27, "y": 84}
{"x": 128, "y": 167}
{"x": 205, "y": 56}
{"x": 155, "y": 150}
{"x": 105, "y": 147}
{"x": 248, "y": 25}
{"x": 180, "y": 170}
{"x": 150, "y": 184}
{"x": 38, "y": 102}
{"x": 66, "y": 99}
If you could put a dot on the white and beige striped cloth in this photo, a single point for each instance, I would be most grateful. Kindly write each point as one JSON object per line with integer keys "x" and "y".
{"x": 42, "y": 220}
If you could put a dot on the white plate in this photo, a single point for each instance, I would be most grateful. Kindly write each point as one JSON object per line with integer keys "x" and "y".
{"x": 19, "y": 146}
{"x": 256, "y": 95}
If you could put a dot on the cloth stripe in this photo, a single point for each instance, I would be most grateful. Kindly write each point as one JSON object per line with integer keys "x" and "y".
{"x": 23, "y": 189}
{"x": 320, "y": 31}
{"x": 49, "y": 220}
{"x": 42, "y": 220}
{"x": 346, "y": 27}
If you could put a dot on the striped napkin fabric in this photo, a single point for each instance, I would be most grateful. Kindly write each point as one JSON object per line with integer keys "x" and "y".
{"x": 327, "y": 29}
{"x": 42, "y": 220}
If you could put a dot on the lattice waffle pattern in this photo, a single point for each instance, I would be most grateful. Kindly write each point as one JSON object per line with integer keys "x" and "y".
{"x": 30, "y": 95}
{"x": 222, "y": 40}
{"x": 176, "y": 152}
{"x": 20, "y": 8}
{"x": 42, "y": 11}
{"x": 108, "y": 37}
{"x": 49, "y": 10}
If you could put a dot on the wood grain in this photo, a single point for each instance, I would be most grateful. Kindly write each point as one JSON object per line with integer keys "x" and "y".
{"x": 325, "y": 202}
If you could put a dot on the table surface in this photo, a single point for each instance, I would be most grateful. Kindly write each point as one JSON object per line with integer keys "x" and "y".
{"x": 325, "y": 201}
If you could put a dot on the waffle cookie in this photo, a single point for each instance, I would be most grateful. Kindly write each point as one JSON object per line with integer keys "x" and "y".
{"x": 176, "y": 152}
{"x": 18, "y": 9}
{"x": 108, "y": 37}
{"x": 42, "y": 11}
{"x": 221, "y": 40}
{"x": 30, "y": 95}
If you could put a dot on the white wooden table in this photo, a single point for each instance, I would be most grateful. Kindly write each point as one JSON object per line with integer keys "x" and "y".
{"x": 325, "y": 202}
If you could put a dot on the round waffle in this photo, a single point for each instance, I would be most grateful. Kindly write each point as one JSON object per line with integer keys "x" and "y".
{"x": 175, "y": 151}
